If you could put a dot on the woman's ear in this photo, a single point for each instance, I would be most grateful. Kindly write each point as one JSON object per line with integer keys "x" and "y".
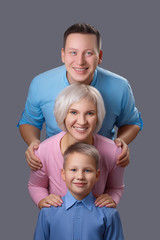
{"x": 63, "y": 174}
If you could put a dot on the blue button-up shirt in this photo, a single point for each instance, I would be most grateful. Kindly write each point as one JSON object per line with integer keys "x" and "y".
{"x": 78, "y": 220}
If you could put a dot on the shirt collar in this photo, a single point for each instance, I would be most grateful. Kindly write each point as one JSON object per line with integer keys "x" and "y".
{"x": 87, "y": 201}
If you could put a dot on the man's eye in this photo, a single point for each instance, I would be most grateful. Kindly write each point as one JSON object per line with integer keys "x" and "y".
{"x": 88, "y": 53}
{"x": 73, "y": 53}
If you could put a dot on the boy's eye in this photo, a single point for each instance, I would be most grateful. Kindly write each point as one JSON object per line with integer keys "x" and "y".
{"x": 73, "y": 170}
{"x": 87, "y": 170}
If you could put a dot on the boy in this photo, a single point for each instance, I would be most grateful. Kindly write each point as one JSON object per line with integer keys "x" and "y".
{"x": 78, "y": 217}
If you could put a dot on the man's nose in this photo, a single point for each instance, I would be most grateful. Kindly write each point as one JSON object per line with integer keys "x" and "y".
{"x": 80, "y": 59}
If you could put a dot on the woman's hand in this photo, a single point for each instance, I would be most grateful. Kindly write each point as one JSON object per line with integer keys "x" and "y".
{"x": 51, "y": 200}
{"x": 105, "y": 200}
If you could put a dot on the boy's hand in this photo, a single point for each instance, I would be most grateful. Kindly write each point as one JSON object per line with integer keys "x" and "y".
{"x": 105, "y": 200}
{"x": 51, "y": 200}
{"x": 123, "y": 158}
{"x": 33, "y": 162}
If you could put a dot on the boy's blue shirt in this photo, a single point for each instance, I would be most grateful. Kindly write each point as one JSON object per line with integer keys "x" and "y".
{"x": 80, "y": 220}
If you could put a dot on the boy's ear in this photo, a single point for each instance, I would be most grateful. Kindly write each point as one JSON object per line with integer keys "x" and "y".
{"x": 97, "y": 174}
{"x": 63, "y": 174}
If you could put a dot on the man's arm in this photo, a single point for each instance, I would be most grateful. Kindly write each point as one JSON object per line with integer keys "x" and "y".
{"x": 126, "y": 134}
{"x": 31, "y": 135}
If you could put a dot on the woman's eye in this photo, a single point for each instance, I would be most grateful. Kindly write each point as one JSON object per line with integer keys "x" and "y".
{"x": 90, "y": 113}
{"x": 73, "y": 112}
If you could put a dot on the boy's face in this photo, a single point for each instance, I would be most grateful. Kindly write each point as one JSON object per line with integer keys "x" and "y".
{"x": 81, "y": 57}
{"x": 80, "y": 174}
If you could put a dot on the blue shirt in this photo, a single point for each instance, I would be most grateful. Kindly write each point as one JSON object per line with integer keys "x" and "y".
{"x": 78, "y": 220}
{"x": 115, "y": 90}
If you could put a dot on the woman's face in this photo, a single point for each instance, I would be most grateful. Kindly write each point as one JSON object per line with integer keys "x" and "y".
{"x": 81, "y": 120}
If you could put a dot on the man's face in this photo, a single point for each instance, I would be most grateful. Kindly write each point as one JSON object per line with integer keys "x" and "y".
{"x": 80, "y": 174}
{"x": 81, "y": 57}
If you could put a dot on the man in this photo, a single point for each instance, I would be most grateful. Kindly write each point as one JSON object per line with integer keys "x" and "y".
{"x": 81, "y": 55}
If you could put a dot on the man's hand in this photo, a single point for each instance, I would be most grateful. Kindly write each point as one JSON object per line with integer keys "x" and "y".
{"x": 33, "y": 162}
{"x": 124, "y": 158}
{"x": 51, "y": 200}
{"x": 105, "y": 200}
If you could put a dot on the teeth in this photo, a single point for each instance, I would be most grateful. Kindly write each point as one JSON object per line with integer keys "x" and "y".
{"x": 80, "y": 69}
{"x": 80, "y": 128}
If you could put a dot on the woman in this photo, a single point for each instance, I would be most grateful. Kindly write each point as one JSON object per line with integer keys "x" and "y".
{"x": 79, "y": 111}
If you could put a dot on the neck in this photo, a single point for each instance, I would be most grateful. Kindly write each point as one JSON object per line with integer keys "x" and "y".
{"x": 67, "y": 140}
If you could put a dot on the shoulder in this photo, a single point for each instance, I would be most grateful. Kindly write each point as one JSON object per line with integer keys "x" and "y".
{"x": 50, "y": 73}
{"x": 106, "y": 147}
{"x": 46, "y": 79}
{"x": 49, "y": 213}
{"x": 110, "y": 213}
{"x": 50, "y": 144}
{"x": 111, "y": 79}
{"x": 101, "y": 141}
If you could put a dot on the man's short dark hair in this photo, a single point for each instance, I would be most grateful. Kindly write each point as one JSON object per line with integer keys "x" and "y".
{"x": 84, "y": 29}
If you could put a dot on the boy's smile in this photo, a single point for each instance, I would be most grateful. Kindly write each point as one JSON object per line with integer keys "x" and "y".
{"x": 80, "y": 174}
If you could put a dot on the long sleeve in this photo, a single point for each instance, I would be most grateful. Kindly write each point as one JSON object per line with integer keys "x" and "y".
{"x": 38, "y": 186}
{"x": 42, "y": 231}
{"x": 115, "y": 181}
{"x": 114, "y": 227}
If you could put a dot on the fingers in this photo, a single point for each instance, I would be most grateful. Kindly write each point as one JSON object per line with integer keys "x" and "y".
{"x": 55, "y": 200}
{"x": 33, "y": 162}
{"x": 51, "y": 200}
{"x": 105, "y": 200}
{"x": 124, "y": 157}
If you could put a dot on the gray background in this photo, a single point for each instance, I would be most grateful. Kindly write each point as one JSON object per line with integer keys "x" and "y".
{"x": 30, "y": 42}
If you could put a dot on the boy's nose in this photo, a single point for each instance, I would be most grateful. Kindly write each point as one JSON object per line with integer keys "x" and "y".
{"x": 80, "y": 175}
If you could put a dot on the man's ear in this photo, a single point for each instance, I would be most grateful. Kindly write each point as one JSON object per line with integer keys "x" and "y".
{"x": 100, "y": 57}
{"x": 62, "y": 55}
{"x": 63, "y": 174}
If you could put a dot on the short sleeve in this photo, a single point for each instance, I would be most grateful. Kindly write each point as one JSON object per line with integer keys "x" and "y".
{"x": 32, "y": 113}
{"x": 129, "y": 114}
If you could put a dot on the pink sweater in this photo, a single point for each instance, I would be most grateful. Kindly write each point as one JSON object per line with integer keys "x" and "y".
{"x": 48, "y": 179}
